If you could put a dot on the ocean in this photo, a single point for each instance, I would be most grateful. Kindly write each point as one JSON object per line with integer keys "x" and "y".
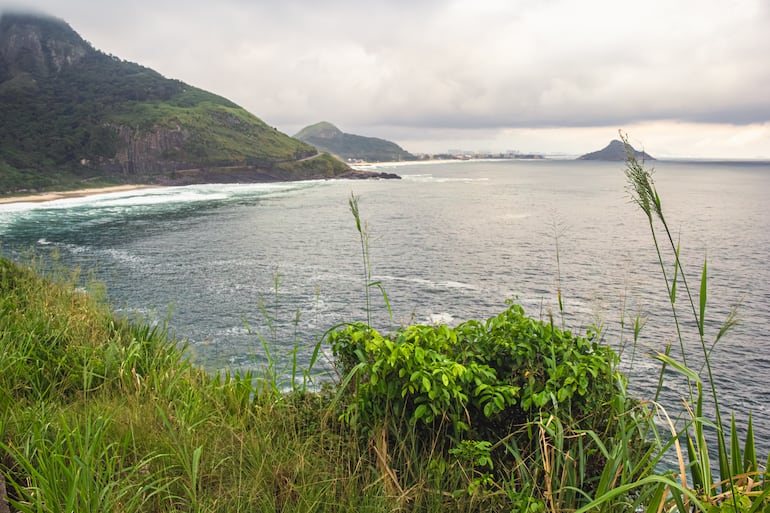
{"x": 233, "y": 269}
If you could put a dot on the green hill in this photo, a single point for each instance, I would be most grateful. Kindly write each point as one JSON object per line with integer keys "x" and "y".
{"x": 327, "y": 137}
{"x": 73, "y": 115}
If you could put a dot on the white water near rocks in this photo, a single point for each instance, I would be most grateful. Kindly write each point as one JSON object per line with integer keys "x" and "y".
{"x": 449, "y": 242}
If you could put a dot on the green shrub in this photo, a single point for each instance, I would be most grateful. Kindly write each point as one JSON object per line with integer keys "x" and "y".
{"x": 497, "y": 388}
{"x": 511, "y": 367}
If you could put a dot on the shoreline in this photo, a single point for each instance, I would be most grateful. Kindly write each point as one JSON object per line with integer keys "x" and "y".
{"x": 43, "y": 197}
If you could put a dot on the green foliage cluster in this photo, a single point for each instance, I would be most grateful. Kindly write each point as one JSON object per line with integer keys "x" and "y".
{"x": 216, "y": 134}
{"x": 502, "y": 372}
{"x": 486, "y": 385}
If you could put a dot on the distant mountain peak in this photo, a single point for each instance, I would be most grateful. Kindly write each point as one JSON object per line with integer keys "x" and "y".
{"x": 323, "y": 130}
{"x": 615, "y": 151}
{"x": 38, "y": 44}
{"x": 327, "y": 137}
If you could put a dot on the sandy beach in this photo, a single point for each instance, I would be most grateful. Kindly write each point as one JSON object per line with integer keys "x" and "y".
{"x": 77, "y": 193}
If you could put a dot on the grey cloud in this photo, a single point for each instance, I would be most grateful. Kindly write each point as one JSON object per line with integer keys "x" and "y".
{"x": 451, "y": 64}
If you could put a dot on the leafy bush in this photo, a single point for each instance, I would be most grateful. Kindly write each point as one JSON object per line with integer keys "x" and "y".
{"x": 509, "y": 367}
{"x": 499, "y": 385}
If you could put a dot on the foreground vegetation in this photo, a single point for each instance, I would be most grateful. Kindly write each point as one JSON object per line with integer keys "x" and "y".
{"x": 508, "y": 414}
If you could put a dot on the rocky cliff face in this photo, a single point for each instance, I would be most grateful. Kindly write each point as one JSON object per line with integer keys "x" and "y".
{"x": 147, "y": 152}
{"x": 26, "y": 46}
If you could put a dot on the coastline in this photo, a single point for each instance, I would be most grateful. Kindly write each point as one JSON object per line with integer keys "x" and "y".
{"x": 42, "y": 197}
{"x": 75, "y": 193}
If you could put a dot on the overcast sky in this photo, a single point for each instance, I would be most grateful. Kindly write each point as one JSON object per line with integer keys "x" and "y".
{"x": 684, "y": 78}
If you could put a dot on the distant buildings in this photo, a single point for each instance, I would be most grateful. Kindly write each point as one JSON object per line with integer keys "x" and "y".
{"x": 455, "y": 154}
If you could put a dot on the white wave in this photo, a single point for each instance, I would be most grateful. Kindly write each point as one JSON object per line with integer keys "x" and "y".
{"x": 418, "y": 178}
{"x": 119, "y": 255}
{"x": 184, "y": 197}
{"x": 450, "y": 284}
{"x": 158, "y": 195}
{"x": 440, "y": 318}
{"x": 236, "y": 330}
{"x": 458, "y": 285}
{"x": 73, "y": 248}
{"x": 95, "y": 199}
{"x": 21, "y": 206}
{"x": 123, "y": 256}
{"x": 428, "y": 178}
{"x": 421, "y": 281}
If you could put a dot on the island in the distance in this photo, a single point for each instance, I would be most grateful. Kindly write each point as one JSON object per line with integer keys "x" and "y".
{"x": 75, "y": 117}
{"x": 615, "y": 151}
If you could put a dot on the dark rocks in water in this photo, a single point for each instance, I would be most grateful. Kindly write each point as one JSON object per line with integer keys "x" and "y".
{"x": 615, "y": 151}
{"x": 359, "y": 174}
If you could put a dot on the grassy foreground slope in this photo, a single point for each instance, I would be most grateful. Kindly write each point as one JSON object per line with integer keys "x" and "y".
{"x": 508, "y": 414}
{"x": 100, "y": 414}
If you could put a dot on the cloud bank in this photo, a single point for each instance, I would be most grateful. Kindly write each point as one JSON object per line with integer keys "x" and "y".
{"x": 462, "y": 70}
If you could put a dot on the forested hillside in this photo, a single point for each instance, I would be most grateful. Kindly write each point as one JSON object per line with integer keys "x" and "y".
{"x": 72, "y": 114}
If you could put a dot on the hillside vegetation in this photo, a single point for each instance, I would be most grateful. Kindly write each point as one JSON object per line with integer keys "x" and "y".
{"x": 351, "y": 147}
{"x": 72, "y": 114}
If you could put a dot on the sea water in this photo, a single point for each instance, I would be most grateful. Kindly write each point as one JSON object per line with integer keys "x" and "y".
{"x": 236, "y": 268}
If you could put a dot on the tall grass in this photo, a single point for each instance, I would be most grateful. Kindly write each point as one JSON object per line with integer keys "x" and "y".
{"x": 509, "y": 414}
{"x": 742, "y": 485}
{"x": 363, "y": 235}
{"x": 147, "y": 430}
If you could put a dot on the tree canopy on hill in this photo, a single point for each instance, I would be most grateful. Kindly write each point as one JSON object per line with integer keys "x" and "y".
{"x": 72, "y": 113}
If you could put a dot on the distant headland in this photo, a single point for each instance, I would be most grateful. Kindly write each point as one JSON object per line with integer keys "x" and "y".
{"x": 616, "y": 151}
{"x": 74, "y": 117}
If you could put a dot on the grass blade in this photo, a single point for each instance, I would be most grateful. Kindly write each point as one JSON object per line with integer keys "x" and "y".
{"x": 702, "y": 298}
{"x": 749, "y": 451}
{"x": 672, "y": 297}
{"x": 682, "y": 369}
{"x": 735, "y": 448}
{"x": 695, "y": 473}
{"x": 378, "y": 284}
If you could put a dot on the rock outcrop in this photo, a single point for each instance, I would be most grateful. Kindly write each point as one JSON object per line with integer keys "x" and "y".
{"x": 147, "y": 152}
{"x": 615, "y": 151}
{"x": 38, "y": 45}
